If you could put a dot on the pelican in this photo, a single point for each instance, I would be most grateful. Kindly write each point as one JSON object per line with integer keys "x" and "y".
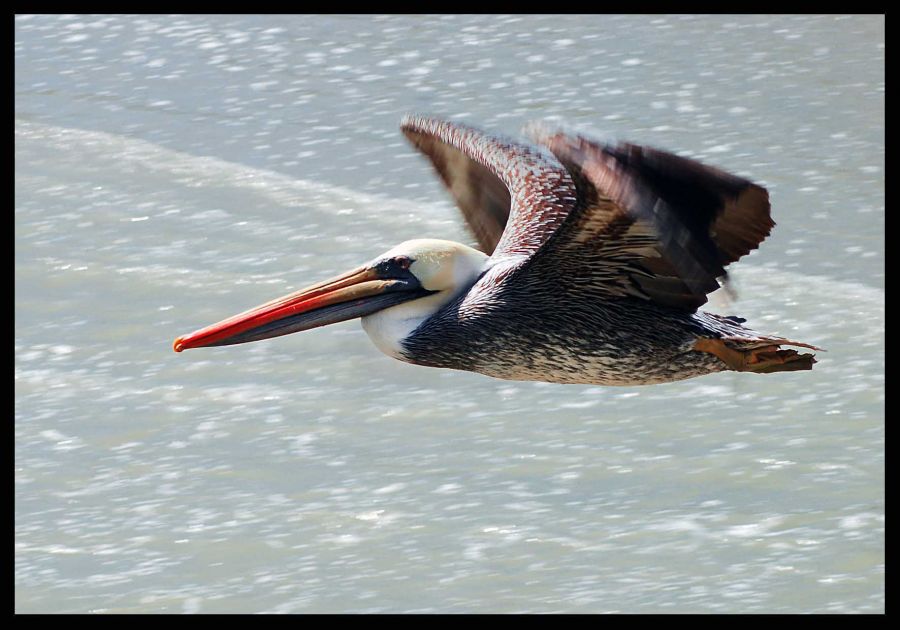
{"x": 593, "y": 260}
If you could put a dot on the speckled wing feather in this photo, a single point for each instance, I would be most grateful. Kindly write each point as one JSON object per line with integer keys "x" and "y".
{"x": 655, "y": 225}
{"x": 512, "y": 196}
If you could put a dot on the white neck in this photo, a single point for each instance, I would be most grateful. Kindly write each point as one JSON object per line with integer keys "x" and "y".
{"x": 388, "y": 328}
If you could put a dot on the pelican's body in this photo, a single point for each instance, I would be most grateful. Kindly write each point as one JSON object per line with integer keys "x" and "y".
{"x": 593, "y": 260}
{"x": 535, "y": 345}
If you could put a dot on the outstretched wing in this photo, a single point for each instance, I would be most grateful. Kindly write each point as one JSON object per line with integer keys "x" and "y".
{"x": 615, "y": 220}
{"x": 512, "y": 196}
{"x": 652, "y": 224}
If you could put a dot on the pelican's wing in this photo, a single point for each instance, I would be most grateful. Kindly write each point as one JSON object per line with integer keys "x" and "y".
{"x": 653, "y": 224}
{"x": 513, "y": 196}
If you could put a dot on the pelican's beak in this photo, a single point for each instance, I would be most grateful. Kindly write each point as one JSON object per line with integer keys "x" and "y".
{"x": 360, "y": 292}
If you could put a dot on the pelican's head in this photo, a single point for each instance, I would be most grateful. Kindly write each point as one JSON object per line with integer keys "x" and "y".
{"x": 393, "y": 294}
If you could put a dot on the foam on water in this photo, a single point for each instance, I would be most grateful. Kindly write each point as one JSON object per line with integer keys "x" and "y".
{"x": 99, "y": 151}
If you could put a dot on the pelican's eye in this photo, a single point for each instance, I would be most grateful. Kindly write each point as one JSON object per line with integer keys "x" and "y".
{"x": 396, "y": 267}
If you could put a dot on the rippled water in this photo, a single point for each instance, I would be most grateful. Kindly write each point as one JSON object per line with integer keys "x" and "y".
{"x": 174, "y": 170}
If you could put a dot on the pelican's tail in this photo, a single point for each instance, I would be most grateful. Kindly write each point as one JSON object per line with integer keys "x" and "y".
{"x": 761, "y": 355}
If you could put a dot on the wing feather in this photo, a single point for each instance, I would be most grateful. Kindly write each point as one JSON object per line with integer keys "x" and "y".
{"x": 512, "y": 196}
{"x": 617, "y": 220}
{"x": 698, "y": 218}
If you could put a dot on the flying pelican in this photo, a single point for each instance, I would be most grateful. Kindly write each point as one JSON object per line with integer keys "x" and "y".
{"x": 593, "y": 260}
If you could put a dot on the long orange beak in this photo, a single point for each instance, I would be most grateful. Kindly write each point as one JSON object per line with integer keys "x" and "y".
{"x": 355, "y": 294}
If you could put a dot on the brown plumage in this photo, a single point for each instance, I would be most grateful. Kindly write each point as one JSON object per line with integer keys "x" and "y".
{"x": 594, "y": 260}
{"x": 633, "y": 238}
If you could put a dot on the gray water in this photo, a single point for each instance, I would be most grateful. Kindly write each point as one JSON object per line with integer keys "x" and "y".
{"x": 171, "y": 171}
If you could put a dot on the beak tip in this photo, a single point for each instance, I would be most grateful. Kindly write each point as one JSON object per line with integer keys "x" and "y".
{"x": 178, "y": 346}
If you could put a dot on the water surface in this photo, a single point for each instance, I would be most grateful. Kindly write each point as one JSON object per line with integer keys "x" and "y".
{"x": 173, "y": 170}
